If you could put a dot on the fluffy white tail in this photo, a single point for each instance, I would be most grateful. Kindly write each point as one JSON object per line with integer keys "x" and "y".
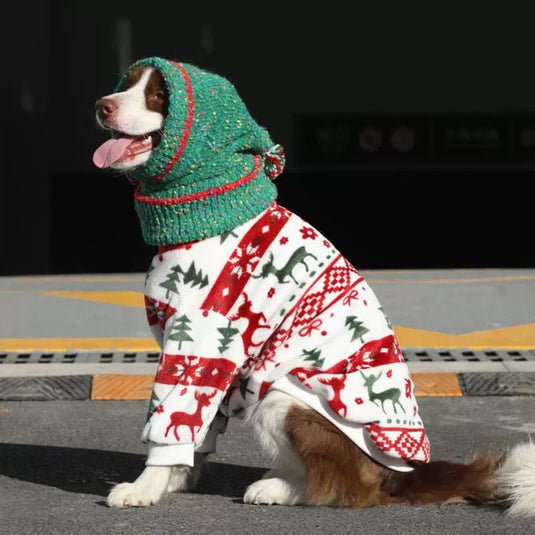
{"x": 515, "y": 479}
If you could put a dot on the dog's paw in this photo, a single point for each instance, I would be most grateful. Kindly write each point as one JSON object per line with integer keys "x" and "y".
{"x": 132, "y": 495}
{"x": 148, "y": 489}
{"x": 275, "y": 490}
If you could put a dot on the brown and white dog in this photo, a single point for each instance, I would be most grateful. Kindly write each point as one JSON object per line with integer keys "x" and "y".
{"x": 314, "y": 463}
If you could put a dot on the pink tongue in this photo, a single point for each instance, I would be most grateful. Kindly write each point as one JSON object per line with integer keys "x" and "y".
{"x": 111, "y": 151}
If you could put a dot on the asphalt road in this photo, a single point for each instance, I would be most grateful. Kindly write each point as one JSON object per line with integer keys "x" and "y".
{"x": 58, "y": 460}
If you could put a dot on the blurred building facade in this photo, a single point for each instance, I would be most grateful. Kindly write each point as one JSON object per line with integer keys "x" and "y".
{"x": 409, "y": 128}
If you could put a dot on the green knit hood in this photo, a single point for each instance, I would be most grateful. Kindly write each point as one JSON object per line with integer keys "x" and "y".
{"x": 214, "y": 165}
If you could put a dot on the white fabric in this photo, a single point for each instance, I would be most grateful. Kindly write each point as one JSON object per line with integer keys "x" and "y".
{"x": 274, "y": 305}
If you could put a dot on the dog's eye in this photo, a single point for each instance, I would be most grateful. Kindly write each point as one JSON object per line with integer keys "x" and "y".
{"x": 160, "y": 95}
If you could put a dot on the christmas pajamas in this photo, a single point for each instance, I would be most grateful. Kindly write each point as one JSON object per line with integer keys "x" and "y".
{"x": 273, "y": 305}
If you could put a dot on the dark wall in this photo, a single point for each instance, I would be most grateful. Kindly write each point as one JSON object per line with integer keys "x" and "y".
{"x": 24, "y": 135}
{"x": 325, "y": 83}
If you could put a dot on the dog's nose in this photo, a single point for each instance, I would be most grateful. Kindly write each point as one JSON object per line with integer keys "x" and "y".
{"x": 105, "y": 107}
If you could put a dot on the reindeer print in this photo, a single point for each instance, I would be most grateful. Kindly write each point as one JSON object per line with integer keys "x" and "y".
{"x": 255, "y": 321}
{"x": 392, "y": 394}
{"x": 337, "y": 384}
{"x": 298, "y": 257}
{"x": 190, "y": 420}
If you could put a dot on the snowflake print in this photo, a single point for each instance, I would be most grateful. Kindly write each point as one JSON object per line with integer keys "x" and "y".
{"x": 326, "y": 243}
{"x": 271, "y": 293}
{"x": 244, "y": 260}
{"x": 389, "y": 373}
{"x": 283, "y": 240}
{"x": 160, "y": 409}
{"x": 308, "y": 232}
{"x": 359, "y": 401}
{"x": 170, "y": 370}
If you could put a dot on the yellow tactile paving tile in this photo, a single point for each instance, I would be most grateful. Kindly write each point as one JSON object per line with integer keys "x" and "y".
{"x": 28, "y": 345}
{"x": 139, "y": 387}
{"x": 436, "y": 384}
{"x": 108, "y": 387}
{"x": 128, "y": 299}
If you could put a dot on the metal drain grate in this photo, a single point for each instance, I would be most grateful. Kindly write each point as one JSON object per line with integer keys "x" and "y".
{"x": 77, "y": 358}
{"x": 498, "y": 384}
{"x": 411, "y": 355}
{"x": 468, "y": 355}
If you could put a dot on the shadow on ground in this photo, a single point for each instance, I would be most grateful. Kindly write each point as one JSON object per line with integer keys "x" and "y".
{"x": 95, "y": 471}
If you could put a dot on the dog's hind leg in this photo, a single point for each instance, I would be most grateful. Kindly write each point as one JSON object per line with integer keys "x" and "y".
{"x": 284, "y": 484}
{"x": 314, "y": 462}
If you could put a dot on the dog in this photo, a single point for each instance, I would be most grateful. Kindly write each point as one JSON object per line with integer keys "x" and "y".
{"x": 302, "y": 409}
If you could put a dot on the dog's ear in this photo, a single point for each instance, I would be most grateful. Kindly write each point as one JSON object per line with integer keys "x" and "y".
{"x": 132, "y": 78}
{"x": 156, "y": 94}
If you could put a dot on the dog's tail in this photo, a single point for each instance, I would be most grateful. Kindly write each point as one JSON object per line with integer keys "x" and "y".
{"x": 338, "y": 473}
{"x": 508, "y": 480}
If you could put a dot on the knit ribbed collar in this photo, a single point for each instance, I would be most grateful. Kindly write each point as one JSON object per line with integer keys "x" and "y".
{"x": 186, "y": 213}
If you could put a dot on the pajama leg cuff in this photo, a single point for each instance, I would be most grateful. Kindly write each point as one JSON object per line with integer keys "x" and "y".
{"x": 170, "y": 454}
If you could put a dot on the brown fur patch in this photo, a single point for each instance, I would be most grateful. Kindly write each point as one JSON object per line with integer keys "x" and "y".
{"x": 336, "y": 471}
{"x": 133, "y": 78}
{"x": 442, "y": 481}
{"x": 339, "y": 473}
{"x": 156, "y": 96}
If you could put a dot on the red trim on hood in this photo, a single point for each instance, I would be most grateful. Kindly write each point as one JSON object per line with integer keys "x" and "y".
{"x": 200, "y": 195}
{"x": 187, "y": 127}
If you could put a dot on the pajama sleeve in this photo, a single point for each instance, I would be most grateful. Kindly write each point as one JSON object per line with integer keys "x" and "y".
{"x": 202, "y": 352}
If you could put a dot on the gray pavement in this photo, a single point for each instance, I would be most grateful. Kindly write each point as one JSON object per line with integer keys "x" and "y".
{"x": 58, "y": 459}
{"x": 448, "y": 301}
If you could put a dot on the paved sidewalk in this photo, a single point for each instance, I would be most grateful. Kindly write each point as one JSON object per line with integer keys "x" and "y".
{"x": 451, "y": 324}
{"x": 58, "y": 461}
{"x": 490, "y": 308}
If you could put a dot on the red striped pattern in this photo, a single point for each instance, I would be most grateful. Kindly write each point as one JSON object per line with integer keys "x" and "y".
{"x": 252, "y": 247}
{"x": 187, "y": 127}
{"x": 197, "y": 371}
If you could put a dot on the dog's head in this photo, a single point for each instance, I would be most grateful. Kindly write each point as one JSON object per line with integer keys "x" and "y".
{"x": 135, "y": 117}
{"x": 174, "y": 123}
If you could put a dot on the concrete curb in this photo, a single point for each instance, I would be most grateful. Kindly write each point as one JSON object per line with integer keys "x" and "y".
{"x": 139, "y": 387}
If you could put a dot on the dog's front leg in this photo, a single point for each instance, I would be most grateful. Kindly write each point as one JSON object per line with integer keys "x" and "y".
{"x": 154, "y": 482}
{"x": 184, "y": 478}
{"x": 146, "y": 490}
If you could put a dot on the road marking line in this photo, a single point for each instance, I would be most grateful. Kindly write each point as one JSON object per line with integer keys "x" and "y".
{"x": 516, "y": 337}
{"x": 79, "y": 279}
{"x": 128, "y": 298}
{"x": 61, "y": 345}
